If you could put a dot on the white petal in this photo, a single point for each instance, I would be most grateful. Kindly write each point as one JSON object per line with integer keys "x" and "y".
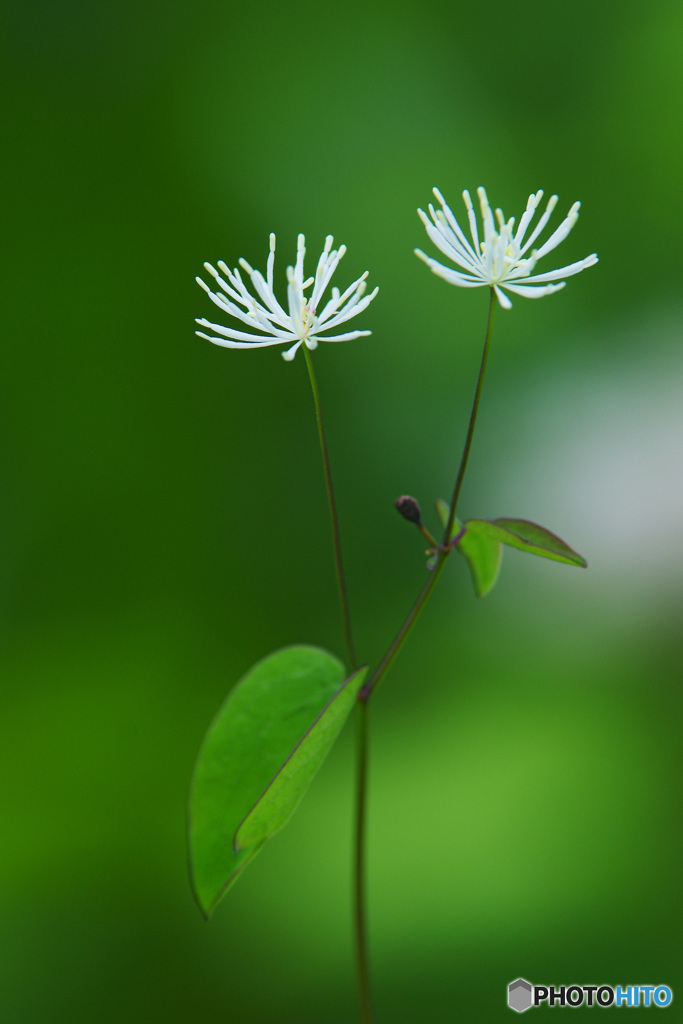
{"x": 452, "y": 276}
{"x": 228, "y": 332}
{"x": 224, "y": 343}
{"x": 528, "y": 215}
{"x": 349, "y": 311}
{"x": 560, "y": 233}
{"x": 444, "y": 244}
{"x": 471, "y": 216}
{"x": 345, "y": 337}
{"x": 552, "y": 203}
{"x": 266, "y": 294}
{"x": 531, "y": 291}
{"x": 237, "y": 283}
{"x": 486, "y": 215}
{"x": 257, "y": 316}
{"x": 454, "y": 238}
{"x": 271, "y": 261}
{"x": 291, "y": 352}
{"x": 238, "y": 296}
{"x": 323, "y": 281}
{"x": 296, "y": 303}
{"x": 502, "y": 298}
{"x": 453, "y": 223}
{"x": 573, "y": 268}
{"x": 300, "y": 253}
{"x": 354, "y": 292}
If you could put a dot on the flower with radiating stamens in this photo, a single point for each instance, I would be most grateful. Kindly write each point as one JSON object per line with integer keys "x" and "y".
{"x": 304, "y": 319}
{"x": 499, "y": 260}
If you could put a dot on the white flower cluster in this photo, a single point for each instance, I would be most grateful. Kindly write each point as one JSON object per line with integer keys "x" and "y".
{"x": 499, "y": 261}
{"x": 304, "y": 320}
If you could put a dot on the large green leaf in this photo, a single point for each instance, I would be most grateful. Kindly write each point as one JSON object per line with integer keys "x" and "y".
{"x": 253, "y": 735}
{"x": 282, "y": 797}
{"x": 482, "y": 554}
{"x": 526, "y": 536}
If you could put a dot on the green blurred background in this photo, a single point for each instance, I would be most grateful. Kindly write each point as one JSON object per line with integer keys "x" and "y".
{"x": 163, "y": 516}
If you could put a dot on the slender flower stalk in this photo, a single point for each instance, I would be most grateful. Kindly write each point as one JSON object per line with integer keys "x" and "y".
{"x": 334, "y": 517}
{"x": 473, "y": 420}
{"x": 499, "y": 260}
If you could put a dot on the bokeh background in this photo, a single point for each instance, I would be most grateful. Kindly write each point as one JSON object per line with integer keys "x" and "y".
{"x": 163, "y": 516}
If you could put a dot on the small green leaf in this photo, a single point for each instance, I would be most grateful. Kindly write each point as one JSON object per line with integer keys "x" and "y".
{"x": 482, "y": 554}
{"x": 442, "y": 511}
{"x": 282, "y": 797}
{"x": 253, "y": 735}
{"x": 526, "y": 536}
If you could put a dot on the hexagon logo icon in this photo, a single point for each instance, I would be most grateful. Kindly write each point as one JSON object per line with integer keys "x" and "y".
{"x": 520, "y": 995}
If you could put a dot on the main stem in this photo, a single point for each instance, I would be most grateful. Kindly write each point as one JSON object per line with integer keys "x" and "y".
{"x": 359, "y": 901}
{"x": 336, "y": 540}
{"x": 360, "y": 923}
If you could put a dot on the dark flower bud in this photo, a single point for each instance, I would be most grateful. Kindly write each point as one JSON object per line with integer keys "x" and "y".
{"x": 409, "y": 509}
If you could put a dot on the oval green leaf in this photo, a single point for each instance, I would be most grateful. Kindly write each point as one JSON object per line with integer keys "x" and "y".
{"x": 253, "y": 735}
{"x": 526, "y": 536}
{"x": 283, "y": 795}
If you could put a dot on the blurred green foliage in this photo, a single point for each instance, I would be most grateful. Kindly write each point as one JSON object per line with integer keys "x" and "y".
{"x": 163, "y": 520}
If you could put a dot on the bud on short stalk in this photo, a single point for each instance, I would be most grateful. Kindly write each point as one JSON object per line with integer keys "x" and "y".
{"x": 409, "y": 509}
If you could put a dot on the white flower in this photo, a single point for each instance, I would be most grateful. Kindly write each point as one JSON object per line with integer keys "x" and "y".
{"x": 499, "y": 260}
{"x": 305, "y": 319}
